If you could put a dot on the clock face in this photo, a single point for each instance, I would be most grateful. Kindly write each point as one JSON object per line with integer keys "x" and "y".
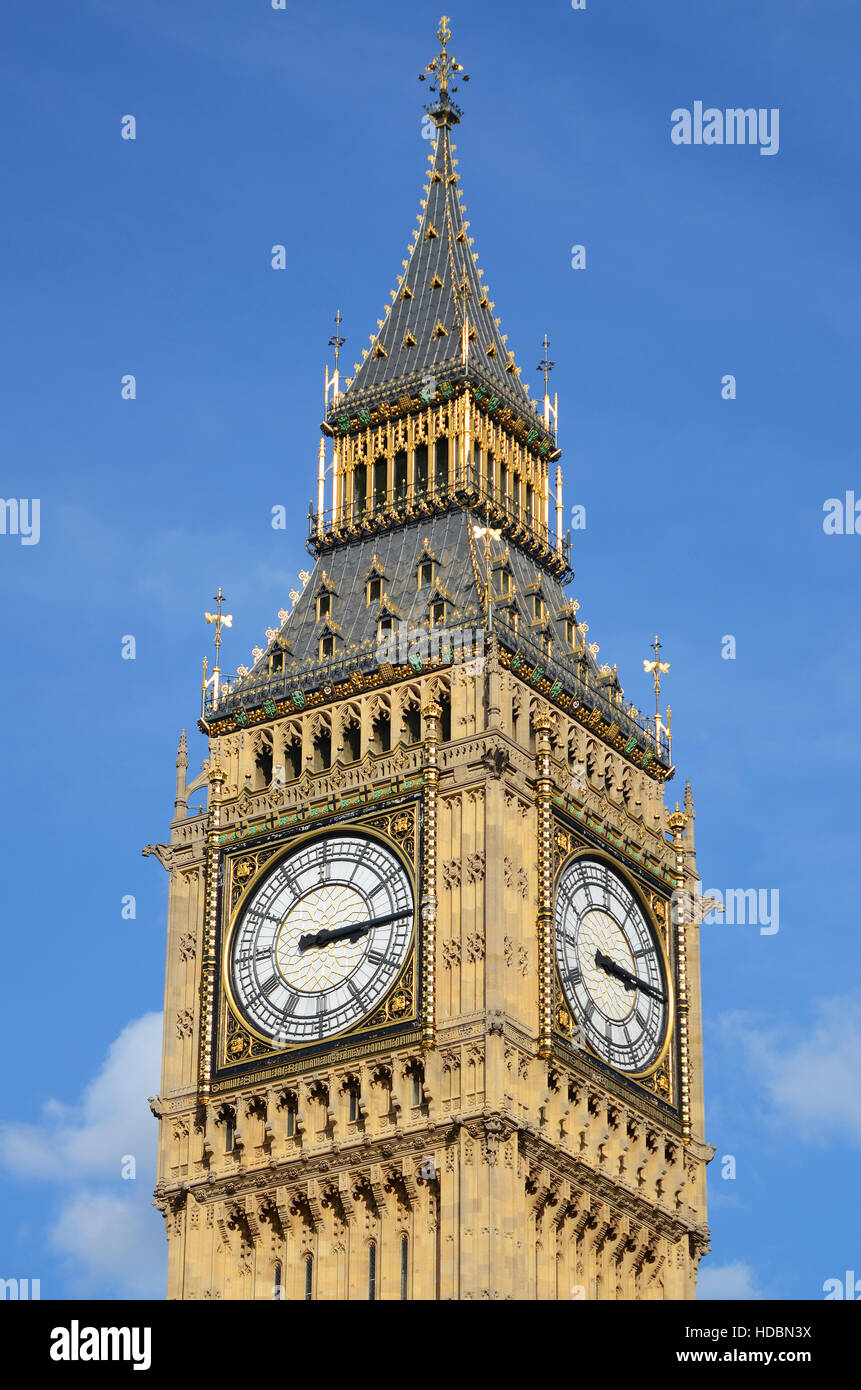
{"x": 322, "y": 938}
{"x": 611, "y": 967}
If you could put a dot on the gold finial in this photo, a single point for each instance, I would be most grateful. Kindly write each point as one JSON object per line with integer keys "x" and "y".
{"x": 488, "y": 533}
{"x": 443, "y": 67}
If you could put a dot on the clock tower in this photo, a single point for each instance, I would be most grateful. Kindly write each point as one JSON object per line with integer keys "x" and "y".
{"x": 432, "y": 1008}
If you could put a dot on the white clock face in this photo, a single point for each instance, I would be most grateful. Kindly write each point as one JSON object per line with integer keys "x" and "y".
{"x": 611, "y": 968}
{"x": 322, "y": 938}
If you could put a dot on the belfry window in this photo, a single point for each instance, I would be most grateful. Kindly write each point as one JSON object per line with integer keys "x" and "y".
{"x": 421, "y": 461}
{"x": 381, "y": 482}
{"x": 309, "y": 1277}
{"x": 441, "y": 465}
{"x": 360, "y": 490}
{"x": 372, "y": 1271}
{"x": 324, "y": 605}
{"x": 437, "y": 611}
{"x": 327, "y": 646}
{"x": 426, "y": 575}
{"x": 401, "y": 476}
{"x": 375, "y": 589}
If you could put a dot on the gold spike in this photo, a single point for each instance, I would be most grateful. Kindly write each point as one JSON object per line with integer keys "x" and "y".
{"x": 472, "y": 238}
{"x": 475, "y": 258}
{"x": 364, "y": 353}
{"x": 504, "y": 339}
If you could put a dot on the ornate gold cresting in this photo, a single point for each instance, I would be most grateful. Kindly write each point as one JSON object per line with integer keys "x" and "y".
{"x": 432, "y": 714}
{"x": 677, "y": 822}
{"x": 209, "y": 964}
{"x": 543, "y": 723}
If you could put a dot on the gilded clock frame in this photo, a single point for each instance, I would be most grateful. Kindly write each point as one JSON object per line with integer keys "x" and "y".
{"x": 581, "y": 848}
{"x": 286, "y": 1058}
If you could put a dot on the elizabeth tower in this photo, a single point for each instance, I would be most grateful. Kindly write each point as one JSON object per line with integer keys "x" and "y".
{"x": 432, "y": 1013}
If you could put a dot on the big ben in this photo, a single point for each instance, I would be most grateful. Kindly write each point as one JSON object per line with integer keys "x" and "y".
{"x": 432, "y": 1009}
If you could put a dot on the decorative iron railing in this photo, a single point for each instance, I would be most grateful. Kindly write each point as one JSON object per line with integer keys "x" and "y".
{"x": 238, "y": 695}
{"x": 467, "y": 489}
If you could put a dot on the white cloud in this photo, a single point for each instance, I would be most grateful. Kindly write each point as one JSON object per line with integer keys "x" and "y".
{"x": 115, "y": 1242}
{"x": 112, "y": 1120}
{"x": 809, "y": 1073}
{"x": 107, "y": 1234}
{"x": 735, "y": 1280}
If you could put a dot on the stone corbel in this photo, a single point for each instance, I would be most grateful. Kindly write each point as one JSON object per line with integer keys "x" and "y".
{"x": 377, "y": 1185}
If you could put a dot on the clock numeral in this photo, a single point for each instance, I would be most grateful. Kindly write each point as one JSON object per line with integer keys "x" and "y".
{"x": 271, "y": 985}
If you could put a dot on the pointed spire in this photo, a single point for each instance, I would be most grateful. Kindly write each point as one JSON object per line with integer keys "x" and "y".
{"x": 439, "y": 327}
{"x": 181, "y": 801}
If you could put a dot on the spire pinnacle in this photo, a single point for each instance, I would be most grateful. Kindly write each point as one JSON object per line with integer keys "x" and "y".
{"x": 443, "y": 67}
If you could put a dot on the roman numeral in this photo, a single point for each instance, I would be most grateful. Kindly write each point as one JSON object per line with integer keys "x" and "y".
{"x": 271, "y": 985}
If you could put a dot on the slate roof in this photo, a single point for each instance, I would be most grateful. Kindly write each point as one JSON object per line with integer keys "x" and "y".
{"x": 459, "y": 571}
{"x": 421, "y": 332}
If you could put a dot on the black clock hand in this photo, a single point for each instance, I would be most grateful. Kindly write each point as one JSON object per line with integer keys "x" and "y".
{"x": 608, "y": 964}
{"x": 354, "y": 930}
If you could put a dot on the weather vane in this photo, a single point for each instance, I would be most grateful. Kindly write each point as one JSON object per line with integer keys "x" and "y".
{"x": 221, "y": 620}
{"x": 658, "y": 668}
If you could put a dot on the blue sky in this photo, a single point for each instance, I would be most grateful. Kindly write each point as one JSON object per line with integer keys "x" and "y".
{"x": 704, "y": 515}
